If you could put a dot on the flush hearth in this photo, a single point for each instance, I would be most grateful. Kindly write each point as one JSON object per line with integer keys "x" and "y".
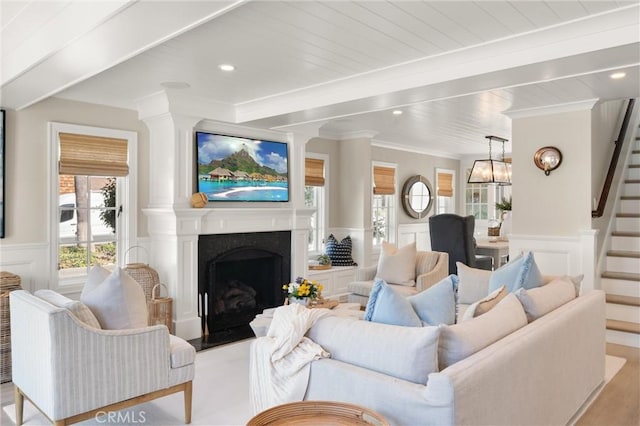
{"x": 240, "y": 275}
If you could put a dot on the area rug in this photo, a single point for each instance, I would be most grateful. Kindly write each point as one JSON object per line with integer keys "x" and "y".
{"x": 220, "y": 394}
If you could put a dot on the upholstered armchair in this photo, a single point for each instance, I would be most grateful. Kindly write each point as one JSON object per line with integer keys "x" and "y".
{"x": 71, "y": 371}
{"x": 453, "y": 234}
{"x": 430, "y": 268}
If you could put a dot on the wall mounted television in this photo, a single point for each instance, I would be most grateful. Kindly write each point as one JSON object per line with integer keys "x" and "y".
{"x": 233, "y": 168}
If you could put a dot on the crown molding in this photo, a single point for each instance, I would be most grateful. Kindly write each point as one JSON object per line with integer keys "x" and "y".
{"x": 552, "y": 109}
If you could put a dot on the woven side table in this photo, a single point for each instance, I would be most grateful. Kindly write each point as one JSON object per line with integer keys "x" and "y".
{"x": 8, "y": 283}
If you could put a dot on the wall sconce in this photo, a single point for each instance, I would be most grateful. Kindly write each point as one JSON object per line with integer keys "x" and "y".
{"x": 547, "y": 159}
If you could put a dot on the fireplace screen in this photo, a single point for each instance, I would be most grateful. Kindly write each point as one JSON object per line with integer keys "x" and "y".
{"x": 238, "y": 283}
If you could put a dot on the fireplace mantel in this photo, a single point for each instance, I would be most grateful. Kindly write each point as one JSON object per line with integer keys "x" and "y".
{"x": 174, "y": 247}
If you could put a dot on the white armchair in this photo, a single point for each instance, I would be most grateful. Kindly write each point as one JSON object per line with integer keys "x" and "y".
{"x": 71, "y": 371}
{"x": 431, "y": 268}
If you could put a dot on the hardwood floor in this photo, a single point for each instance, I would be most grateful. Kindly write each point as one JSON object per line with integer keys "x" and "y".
{"x": 619, "y": 402}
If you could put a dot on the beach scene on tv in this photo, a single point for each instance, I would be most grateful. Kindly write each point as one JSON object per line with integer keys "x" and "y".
{"x": 231, "y": 168}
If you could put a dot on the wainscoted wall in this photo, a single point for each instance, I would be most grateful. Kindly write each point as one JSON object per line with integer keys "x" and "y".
{"x": 29, "y": 261}
{"x": 561, "y": 255}
{"x": 418, "y": 232}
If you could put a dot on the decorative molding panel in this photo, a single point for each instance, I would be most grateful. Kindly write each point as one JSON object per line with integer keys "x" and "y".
{"x": 29, "y": 261}
{"x": 560, "y": 255}
{"x": 418, "y": 232}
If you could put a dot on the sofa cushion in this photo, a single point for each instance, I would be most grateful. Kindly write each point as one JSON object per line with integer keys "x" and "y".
{"x": 77, "y": 308}
{"x": 466, "y": 338}
{"x": 485, "y": 304}
{"x": 519, "y": 272}
{"x": 407, "y": 353}
{"x": 118, "y": 302}
{"x": 181, "y": 352}
{"x": 437, "y": 304}
{"x": 387, "y": 306}
{"x": 473, "y": 284}
{"x": 397, "y": 265}
{"x": 542, "y": 300}
{"x": 340, "y": 252}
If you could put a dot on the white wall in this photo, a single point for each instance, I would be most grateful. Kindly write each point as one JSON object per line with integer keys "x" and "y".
{"x": 558, "y": 204}
{"x": 27, "y": 161}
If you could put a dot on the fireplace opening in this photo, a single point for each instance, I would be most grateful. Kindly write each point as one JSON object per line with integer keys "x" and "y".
{"x": 240, "y": 275}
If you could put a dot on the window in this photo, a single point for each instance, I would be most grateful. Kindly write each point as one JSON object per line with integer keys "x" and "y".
{"x": 383, "y": 212}
{"x": 315, "y": 196}
{"x": 481, "y": 200}
{"x": 445, "y": 190}
{"x": 90, "y": 210}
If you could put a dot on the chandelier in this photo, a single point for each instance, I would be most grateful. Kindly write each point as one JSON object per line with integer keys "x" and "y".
{"x": 491, "y": 171}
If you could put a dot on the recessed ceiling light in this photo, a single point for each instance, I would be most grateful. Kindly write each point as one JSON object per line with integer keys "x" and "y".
{"x": 397, "y": 112}
{"x": 618, "y": 75}
{"x": 226, "y": 67}
{"x": 175, "y": 85}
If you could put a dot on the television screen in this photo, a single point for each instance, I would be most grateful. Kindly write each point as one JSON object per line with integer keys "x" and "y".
{"x": 232, "y": 168}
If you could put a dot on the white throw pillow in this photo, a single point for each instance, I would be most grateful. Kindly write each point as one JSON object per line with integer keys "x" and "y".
{"x": 542, "y": 300}
{"x": 118, "y": 301}
{"x": 466, "y": 338}
{"x": 77, "y": 308}
{"x": 473, "y": 283}
{"x": 397, "y": 265}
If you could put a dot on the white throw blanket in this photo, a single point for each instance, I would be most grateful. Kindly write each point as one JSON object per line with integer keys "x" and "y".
{"x": 279, "y": 365}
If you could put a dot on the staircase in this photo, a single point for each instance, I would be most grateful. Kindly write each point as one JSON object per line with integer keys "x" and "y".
{"x": 621, "y": 279}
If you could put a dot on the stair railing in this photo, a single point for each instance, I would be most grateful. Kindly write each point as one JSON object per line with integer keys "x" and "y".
{"x": 602, "y": 202}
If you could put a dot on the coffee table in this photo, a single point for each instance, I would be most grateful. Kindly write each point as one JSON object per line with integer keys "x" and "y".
{"x": 317, "y": 413}
{"x": 261, "y": 322}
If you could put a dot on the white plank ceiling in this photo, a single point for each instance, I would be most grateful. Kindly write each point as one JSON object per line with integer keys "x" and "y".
{"x": 335, "y": 65}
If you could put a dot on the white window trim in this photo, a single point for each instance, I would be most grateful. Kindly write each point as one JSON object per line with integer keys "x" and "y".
{"x": 324, "y": 212}
{"x": 126, "y": 194}
{"x": 393, "y": 225}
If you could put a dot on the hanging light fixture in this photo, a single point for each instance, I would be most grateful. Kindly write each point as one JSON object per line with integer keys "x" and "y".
{"x": 491, "y": 171}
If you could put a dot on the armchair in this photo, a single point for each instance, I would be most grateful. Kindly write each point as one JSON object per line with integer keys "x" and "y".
{"x": 453, "y": 234}
{"x": 431, "y": 268}
{"x": 71, "y": 371}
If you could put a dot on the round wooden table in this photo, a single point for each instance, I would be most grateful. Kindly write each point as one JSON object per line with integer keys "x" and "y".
{"x": 317, "y": 413}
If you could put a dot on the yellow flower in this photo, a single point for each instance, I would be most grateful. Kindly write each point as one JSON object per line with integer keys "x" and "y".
{"x": 285, "y": 287}
{"x": 320, "y": 288}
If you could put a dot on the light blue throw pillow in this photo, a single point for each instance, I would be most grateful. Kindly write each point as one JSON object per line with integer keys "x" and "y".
{"x": 387, "y": 306}
{"x": 521, "y": 272}
{"x": 437, "y": 304}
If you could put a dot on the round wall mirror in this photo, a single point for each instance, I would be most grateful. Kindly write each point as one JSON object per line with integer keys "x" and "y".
{"x": 417, "y": 197}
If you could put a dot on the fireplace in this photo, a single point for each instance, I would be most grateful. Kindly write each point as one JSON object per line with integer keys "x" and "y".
{"x": 239, "y": 275}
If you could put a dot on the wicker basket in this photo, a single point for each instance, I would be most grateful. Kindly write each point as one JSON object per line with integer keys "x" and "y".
{"x": 8, "y": 283}
{"x": 160, "y": 309}
{"x": 144, "y": 275}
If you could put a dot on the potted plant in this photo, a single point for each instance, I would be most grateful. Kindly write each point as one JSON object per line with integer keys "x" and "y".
{"x": 504, "y": 205}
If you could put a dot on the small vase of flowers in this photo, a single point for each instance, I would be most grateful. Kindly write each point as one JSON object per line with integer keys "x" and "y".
{"x": 303, "y": 291}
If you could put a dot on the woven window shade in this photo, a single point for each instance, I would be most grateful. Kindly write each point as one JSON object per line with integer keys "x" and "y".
{"x": 384, "y": 180}
{"x": 445, "y": 185}
{"x": 313, "y": 172}
{"x": 92, "y": 155}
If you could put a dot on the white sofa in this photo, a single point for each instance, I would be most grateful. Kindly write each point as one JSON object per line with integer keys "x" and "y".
{"x": 539, "y": 374}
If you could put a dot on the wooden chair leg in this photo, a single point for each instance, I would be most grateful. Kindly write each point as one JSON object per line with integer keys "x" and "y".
{"x": 19, "y": 399}
{"x": 187, "y": 402}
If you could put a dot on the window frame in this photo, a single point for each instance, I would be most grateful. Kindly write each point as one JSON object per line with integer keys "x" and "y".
{"x": 392, "y": 225}
{"x": 322, "y": 213}
{"x": 126, "y": 197}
